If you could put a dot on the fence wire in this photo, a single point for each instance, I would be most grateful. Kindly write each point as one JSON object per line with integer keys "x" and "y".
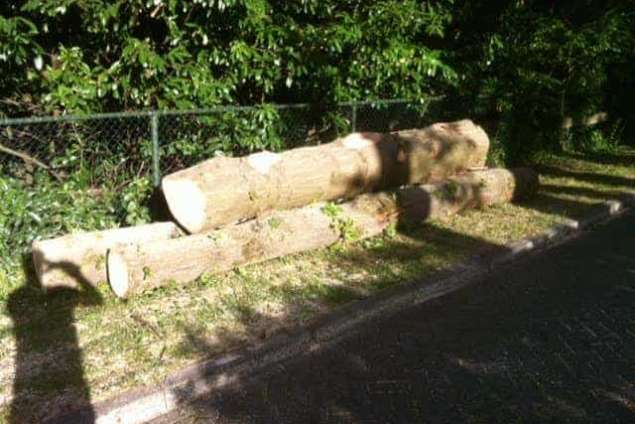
{"x": 107, "y": 165}
{"x": 114, "y": 146}
{"x": 104, "y": 149}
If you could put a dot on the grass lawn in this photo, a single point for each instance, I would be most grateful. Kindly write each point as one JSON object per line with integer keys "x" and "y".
{"x": 61, "y": 349}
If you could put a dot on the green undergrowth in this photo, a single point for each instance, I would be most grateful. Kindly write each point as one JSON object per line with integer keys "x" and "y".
{"x": 44, "y": 208}
{"x": 103, "y": 345}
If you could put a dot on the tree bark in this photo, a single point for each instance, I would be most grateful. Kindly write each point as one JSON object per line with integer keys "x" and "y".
{"x": 225, "y": 190}
{"x": 78, "y": 259}
{"x": 133, "y": 269}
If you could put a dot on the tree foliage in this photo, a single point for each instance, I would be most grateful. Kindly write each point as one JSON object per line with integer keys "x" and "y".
{"x": 533, "y": 63}
{"x": 528, "y": 61}
{"x": 517, "y": 66}
{"x": 93, "y": 55}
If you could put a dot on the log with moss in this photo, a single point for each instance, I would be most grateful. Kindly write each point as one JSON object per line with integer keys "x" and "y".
{"x": 225, "y": 190}
{"x": 133, "y": 269}
{"x": 77, "y": 259}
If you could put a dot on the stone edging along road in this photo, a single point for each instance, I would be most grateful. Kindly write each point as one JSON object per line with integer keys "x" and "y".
{"x": 139, "y": 406}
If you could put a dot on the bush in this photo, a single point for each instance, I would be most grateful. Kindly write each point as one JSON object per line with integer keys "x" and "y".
{"x": 78, "y": 56}
{"x": 531, "y": 64}
{"x": 46, "y": 209}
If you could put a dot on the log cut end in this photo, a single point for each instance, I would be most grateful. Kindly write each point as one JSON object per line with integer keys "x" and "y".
{"x": 186, "y": 202}
{"x": 118, "y": 274}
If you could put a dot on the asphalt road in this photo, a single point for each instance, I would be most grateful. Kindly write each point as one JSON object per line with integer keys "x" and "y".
{"x": 548, "y": 339}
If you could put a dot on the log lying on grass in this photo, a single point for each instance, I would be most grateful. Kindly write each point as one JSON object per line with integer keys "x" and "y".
{"x": 132, "y": 269}
{"x": 80, "y": 258}
{"x": 225, "y": 190}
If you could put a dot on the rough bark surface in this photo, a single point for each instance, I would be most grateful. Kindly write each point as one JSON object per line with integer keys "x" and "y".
{"x": 133, "y": 269}
{"x": 77, "y": 259}
{"x": 226, "y": 190}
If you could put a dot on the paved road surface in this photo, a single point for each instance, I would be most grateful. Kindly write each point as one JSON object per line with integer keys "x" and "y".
{"x": 549, "y": 339}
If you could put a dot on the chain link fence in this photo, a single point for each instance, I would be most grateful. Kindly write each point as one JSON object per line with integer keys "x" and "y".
{"x": 65, "y": 145}
{"x": 67, "y": 173}
{"x": 186, "y": 138}
{"x": 119, "y": 145}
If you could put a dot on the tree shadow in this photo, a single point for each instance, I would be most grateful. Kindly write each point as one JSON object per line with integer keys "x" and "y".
{"x": 622, "y": 159}
{"x": 48, "y": 361}
{"x": 591, "y": 177}
{"x": 47, "y": 320}
{"x": 437, "y": 240}
{"x": 518, "y": 346}
{"x": 549, "y": 203}
{"x": 581, "y": 191}
{"x": 549, "y": 198}
{"x": 452, "y": 333}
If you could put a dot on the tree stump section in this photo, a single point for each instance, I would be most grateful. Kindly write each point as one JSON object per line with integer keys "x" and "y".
{"x": 136, "y": 268}
{"x": 225, "y": 190}
{"x": 77, "y": 259}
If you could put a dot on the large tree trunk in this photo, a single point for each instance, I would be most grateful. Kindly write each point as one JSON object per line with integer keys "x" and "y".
{"x": 78, "y": 259}
{"x": 132, "y": 269}
{"x": 225, "y": 190}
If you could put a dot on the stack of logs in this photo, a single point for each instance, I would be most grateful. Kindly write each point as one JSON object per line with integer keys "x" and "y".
{"x": 237, "y": 211}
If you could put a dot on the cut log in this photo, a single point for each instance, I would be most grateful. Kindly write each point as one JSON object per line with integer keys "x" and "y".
{"x": 77, "y": 259}
{"x": 133, "y": 269}
{"x": 225, "y": 190}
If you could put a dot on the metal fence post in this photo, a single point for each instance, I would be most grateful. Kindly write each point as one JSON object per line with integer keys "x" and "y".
{"x": 156, "y": 167}
{"x": 354, "y": 117}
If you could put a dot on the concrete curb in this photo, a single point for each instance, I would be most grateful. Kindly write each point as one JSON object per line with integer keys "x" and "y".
{"x": 139, "y": 406}
{"x": 562, "y": 232}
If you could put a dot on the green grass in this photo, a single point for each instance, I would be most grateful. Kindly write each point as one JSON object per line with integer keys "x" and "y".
{"x": 104, "y": 346}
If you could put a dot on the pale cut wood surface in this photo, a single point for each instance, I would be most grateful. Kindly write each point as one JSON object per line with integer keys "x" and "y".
{"x": 80, "y": 258}
{"x": 133, "y": 269}
{"x": 226, "y": 190}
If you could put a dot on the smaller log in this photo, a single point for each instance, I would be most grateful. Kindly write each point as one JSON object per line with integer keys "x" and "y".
{"x": 136, "y": 268}
{"x": 78, "y": 259}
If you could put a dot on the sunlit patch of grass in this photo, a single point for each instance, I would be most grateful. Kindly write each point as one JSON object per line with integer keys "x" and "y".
{"x": 139, "y": 341}
{"x": 501, "y": 223}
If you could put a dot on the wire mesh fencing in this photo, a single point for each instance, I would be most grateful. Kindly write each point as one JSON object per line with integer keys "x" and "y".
{"x": 103, "y": 147}
{"x": 60, "y": 174}
{"x": 109, "y": 147}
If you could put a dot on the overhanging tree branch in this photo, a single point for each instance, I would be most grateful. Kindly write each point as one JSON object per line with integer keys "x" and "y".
{"x": 30, "y": 159}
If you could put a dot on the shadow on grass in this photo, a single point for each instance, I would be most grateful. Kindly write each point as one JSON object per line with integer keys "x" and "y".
{"x": 450, "y": 354}
{"x": 626, "y": 158}
{"x": 539, "y": 342}
{"x": 548, "y": 203}
{"x": 439, "y": 248}
{"x": 549, "y": 198}
{"x": 591, "y": 177}
{"x": 48, "y": 362}
{"x": 581, "y": 191}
